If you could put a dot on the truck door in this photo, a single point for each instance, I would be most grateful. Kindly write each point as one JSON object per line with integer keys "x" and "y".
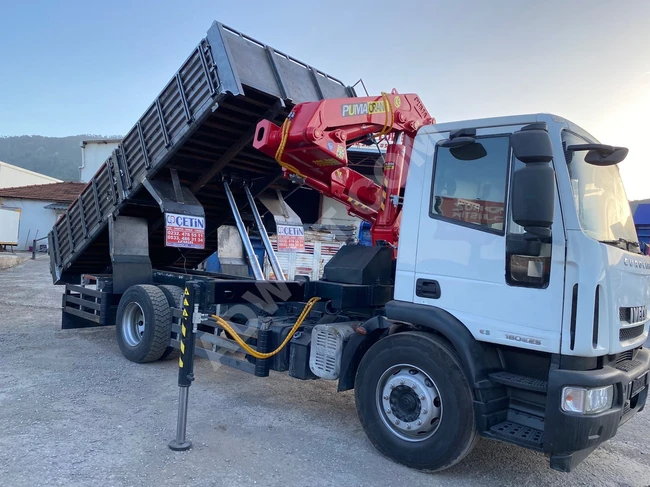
{"x": 463, "y": 263}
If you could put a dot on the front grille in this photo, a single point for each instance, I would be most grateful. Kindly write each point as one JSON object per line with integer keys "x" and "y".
{"x": 635, "y": 314}
{"x": 630, "y": 333}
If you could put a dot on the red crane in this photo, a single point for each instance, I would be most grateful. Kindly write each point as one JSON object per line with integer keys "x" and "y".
{"x": 313, "y": 141}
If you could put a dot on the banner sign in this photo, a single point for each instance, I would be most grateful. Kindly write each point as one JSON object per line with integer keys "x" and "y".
{"x": 184, "y": 231}
{"x": 291, "y": 238}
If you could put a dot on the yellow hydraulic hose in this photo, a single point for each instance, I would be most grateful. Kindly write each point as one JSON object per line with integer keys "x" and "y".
{"x": 224, "y": 324}
{"x": 390, "y": 115}
{"x": 283, "y": 142}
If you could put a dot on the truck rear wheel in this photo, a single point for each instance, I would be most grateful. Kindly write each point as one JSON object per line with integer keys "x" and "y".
{"x": 414, "y": 402}
{"x": 174, "y": 295}
{"x": 144, "y": 323}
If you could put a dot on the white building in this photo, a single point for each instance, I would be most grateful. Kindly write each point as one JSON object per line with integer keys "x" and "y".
{"x": 94, "y": 153}
{"x": 40, "y": 207}
{"x": 13, "y": 176}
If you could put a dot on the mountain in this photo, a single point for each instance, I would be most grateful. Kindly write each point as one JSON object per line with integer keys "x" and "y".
{"x": 58, "y": 157}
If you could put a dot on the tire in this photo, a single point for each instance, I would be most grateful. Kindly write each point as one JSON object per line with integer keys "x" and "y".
{"x": 174, "y": 295}
{"x": 143, "y": 324}
{"x": 417, "y": 365}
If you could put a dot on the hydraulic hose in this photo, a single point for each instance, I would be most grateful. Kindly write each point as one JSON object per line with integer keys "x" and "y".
{"x": 390, "y": 115}
{"x": 283, "y": 142}
{"x": 224, "y": 324}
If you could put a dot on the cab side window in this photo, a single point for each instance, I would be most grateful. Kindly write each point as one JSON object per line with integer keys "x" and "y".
{"x": 469, "y": 184}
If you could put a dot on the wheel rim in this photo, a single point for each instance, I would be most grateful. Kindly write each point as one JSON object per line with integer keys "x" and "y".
{"x": 409, "y": 403}
{"x": 133, "y": 324}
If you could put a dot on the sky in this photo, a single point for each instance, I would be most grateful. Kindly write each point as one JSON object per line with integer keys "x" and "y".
{"x": 72, "y": 67}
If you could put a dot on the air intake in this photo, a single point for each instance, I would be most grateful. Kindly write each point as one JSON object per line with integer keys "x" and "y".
{"x": 594, "y": 338}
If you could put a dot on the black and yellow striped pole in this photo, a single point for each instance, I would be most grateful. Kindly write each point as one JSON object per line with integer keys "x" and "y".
{"x": 191, "y": 298}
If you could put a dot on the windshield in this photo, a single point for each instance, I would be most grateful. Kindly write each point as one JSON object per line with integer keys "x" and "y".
{"x": 599, "y": 195}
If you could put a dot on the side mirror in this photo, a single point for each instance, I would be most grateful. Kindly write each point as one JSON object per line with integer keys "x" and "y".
{"x": 525, "y": 244}
{"x": 532, "y": 144}
{"x": 600, "y": 154}
{"x": 533, "y": 186}
{"x": 457, "y": 142}
{"x": 463, "y": 146}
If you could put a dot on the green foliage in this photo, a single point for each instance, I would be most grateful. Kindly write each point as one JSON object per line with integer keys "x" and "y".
{"x": 58, "y": 157}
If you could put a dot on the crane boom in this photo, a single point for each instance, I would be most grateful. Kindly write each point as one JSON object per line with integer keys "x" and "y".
{"x": 313, "y": 141}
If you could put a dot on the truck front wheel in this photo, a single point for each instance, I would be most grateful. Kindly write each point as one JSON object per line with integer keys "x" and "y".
{"x": 143, "y": 324}
{"x": 414, "y": 402}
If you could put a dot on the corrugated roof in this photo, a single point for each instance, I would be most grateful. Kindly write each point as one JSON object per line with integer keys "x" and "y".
{"x": 65, "y": 192}
{"x": 642, "y": 214}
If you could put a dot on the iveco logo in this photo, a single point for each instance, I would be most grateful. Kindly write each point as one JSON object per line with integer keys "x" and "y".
{"x": 639, "y": 264}
{"x": 638, "y": 313}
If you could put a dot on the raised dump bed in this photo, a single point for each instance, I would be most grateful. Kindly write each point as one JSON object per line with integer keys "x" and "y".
{"x": 201, "y": 127}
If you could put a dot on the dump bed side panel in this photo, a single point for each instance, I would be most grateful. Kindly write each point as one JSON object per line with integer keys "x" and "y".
{"x": 201, "y": 125}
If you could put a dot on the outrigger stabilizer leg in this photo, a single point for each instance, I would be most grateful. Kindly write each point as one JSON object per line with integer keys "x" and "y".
{"x": 186, "y": 362}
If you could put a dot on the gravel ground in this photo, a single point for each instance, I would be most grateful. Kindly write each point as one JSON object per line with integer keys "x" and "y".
{"x": 74, "y": 412}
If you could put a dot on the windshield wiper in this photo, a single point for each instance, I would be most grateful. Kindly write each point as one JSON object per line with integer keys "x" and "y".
{"x": 626, "y": 244}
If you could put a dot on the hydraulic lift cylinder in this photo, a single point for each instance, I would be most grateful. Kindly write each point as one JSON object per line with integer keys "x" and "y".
{"x": 248, "y": 246}
{"x": 273, "y": 259}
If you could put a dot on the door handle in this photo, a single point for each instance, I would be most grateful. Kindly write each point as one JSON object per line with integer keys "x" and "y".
{"x": 426, "y": 288}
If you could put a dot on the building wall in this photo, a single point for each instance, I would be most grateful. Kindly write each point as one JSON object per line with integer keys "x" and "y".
{"x": 36, "y": 221}
{"x": 12, "y": 177}
{"x": 93, "y": 155}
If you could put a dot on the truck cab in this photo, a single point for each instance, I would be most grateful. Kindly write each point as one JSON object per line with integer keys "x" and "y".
{"x": 563, "y": 312}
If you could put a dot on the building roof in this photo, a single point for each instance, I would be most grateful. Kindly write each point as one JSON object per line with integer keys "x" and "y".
{"x": 27, "y": 171}
{"x": 57, "y": 206}
{"x": 110, "y": 140}
{"x": 642, "y": 214}
{"x": 65, "y": 192}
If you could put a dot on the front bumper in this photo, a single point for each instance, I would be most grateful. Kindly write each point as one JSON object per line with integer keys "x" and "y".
{"x": 570, "y": 437}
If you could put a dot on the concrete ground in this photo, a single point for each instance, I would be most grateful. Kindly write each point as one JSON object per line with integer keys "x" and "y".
{"x": 74, "y": 412}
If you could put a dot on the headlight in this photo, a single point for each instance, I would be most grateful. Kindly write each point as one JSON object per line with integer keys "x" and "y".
{"x": 587, "y": 401}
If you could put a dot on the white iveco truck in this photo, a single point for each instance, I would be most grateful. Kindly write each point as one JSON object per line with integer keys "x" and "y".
{"x": 504, "y": 295}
